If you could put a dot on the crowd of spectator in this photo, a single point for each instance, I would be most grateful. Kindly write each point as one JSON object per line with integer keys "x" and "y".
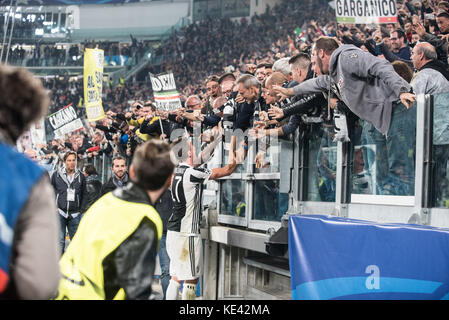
{"x": 23, "y": 28}
{"x": 205, "y": 47}
{"x": 290, "y": 72}
{"x": 223, "y": 50}
{"x": 42, "y": 54}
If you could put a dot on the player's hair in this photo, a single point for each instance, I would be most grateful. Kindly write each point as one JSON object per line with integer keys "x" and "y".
{"x": 152, "y": 164}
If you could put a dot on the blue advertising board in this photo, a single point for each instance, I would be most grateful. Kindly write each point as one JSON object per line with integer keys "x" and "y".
{"x": 341, "y": 258}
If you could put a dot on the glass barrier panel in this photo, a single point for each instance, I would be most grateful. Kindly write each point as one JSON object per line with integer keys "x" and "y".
{"x": 322, "y": 163}
{"x": 359, "y": 155}
{"x": 384, "y": 164}
{"x": 241, "y": 167}
{"x": 267, "y": 159}
{"x": 232, "y": 195}
{"x": 269, "y": 203}
{"x": 440, "y": 151}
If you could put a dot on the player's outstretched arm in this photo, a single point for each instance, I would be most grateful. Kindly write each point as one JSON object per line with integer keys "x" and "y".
{"x": 227, "y": 170}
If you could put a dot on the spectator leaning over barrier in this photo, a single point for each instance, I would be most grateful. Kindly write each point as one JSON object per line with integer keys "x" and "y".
{"x": 301, "y": 70}
{"x": 119, "y": 175}
{"x": 113, "y": 255}
{"x": 71, "y": 196}
{"x": 251, "y": 91}
{"x": 29, "y": 251}
{"x": 348, "y": 72}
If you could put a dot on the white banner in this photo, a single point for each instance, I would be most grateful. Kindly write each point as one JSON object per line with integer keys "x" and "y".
{"x": 166, "y": 97}
{"x": 366, "y": 11}
{"x": 65, "y": 121}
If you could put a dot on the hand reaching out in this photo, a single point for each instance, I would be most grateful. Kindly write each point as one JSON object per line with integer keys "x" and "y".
{"x": 282, "y": 92}
{"x": 276, "y": 113}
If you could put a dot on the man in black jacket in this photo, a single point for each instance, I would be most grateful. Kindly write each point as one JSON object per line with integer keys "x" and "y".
{"x": 71, "y": 196}
{"x": 119, "y": 175}
{"x": 313, "y": 103}
{"x": 93, "y": 185}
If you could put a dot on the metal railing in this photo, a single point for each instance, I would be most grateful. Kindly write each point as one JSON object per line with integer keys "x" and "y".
{"x": 348, "y": 179}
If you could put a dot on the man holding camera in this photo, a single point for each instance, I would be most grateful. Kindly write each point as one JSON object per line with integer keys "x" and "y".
{"x": 439, "y": 42}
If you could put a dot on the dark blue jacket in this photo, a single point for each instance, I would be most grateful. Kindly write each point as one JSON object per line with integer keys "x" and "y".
{"x": 61, "y": 184}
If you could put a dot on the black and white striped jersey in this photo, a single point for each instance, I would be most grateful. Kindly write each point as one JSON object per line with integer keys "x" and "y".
{"x": 186, "y": 189}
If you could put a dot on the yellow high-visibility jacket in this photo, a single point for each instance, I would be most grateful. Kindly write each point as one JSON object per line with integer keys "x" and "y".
{"x": 102, "y": 260}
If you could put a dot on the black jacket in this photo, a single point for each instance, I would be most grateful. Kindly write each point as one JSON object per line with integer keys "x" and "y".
{"x": 131, "y": 266}
{"x": 155, "y": 127}
{"x": 110, "y": 185}
{"x": 164, "y": 207}
{"x": 93, "y": 186}
{"x": 61, "y": 185}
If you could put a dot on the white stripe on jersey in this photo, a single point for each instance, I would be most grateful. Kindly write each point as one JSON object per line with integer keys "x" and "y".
{"x": 187, "y": 194}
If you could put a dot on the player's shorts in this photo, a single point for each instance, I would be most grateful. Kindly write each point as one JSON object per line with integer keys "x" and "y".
{"x": 186, "y": 255}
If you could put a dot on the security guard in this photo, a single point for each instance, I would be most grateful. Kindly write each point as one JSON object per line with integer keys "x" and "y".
{"x": 113, "y": 253}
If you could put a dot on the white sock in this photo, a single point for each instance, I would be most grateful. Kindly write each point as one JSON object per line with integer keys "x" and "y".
{"x": 188, "y": 291}
{"x": 172, "y": 290}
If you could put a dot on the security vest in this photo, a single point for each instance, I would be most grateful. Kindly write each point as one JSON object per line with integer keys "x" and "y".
{"x": 106, "y": 225}
{"x": 18, "y": 175}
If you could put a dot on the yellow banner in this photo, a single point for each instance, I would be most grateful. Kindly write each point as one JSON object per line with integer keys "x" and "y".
{"x": 93, "y": 84}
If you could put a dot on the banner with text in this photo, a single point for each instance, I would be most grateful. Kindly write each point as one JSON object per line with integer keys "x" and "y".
{"x": 366, "y": 11}
{"x": 64, "y": 121}
{"x": 165, "y": 94}
{"x": 93, "y": 83}
{"x": 341, "y": 258}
